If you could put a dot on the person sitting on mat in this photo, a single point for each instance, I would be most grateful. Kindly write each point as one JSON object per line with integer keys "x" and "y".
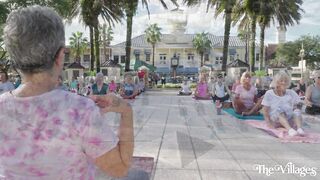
{"x": 220, "y": 91}
{"x": 202, "y": 91}
{"x": 128, "y": 91}
{"x": 245, "y": 101}
{"x": 312, "y": 99}
{"x": 185, "y": 88}
{"x": 282, "y": 105}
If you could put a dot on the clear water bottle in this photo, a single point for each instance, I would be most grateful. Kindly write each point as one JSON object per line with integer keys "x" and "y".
{"x": 218, "y": 107}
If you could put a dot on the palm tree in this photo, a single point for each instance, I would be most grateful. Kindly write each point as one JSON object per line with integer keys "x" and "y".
{"x": 285, "y": 12}
{"x": 220, "y": 6}
{"x": 247, "y": 11}
{"x": 130, "y": 8}
{"x": 202, "y": 44}
{"x": 89, "y": 11}
{"x": 4, "y": 11}
{"x": 253, "y": 11}
{"x": 78, "y": 45}
{"x": 244, "y": 36}
{"x": 106, "y": 38}
{"x": 153, "y": 36}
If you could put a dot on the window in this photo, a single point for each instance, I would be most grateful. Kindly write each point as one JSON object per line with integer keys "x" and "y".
{"x": 123, "y": 59}
{"x": 163, "y": 58}
{"x": 257, "y": 57}
{"x": 218, "y": 60}
{"x": 190, "y": 57}
{"x": 116, "y": 59}
{"x": 147, "y": 57}
{"x": 206, "y": 57}
{"x": 86, "y": 58}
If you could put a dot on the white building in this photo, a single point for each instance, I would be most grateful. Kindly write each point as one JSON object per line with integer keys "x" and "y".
{"x": 180, "y": 44}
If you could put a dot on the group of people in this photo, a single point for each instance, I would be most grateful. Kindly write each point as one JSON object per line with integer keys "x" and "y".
{"x": 50, "y": 133}
{"x": 280, "y": 105}
{"x": 129, "y": 89}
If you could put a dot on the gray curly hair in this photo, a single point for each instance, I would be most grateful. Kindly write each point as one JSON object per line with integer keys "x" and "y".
{"x": 33, "y": 36}
{"x": 281, "y": 76}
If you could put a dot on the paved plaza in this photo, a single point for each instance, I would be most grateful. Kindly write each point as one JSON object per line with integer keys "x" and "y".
{"x": 188, "y": 141}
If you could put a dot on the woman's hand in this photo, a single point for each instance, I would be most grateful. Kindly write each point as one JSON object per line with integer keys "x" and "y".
{"x": 111, "y": 103}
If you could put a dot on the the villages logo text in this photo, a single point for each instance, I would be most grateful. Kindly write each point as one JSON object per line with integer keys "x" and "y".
{"x": 289, "y": 168}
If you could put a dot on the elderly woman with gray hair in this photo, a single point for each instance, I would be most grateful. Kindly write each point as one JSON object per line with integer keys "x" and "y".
{"x": 48, "y": 133}
{"x": 99, "y": 88}
{"x": 312, "y": 99}
{"x": 282, "y": 105}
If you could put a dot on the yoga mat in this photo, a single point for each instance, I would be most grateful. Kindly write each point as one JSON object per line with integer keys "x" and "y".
{"x": 282, "y": 133}
{"x": 234, "y": 114}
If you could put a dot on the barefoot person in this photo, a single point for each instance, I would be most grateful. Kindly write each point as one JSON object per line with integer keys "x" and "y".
{"x": 244, "y": 101}
{"x": 46, "y": 132}
{"x": 185, "y": 88}
{"x": 202, "y": 90}
{"x": 128, "y": 90}
{"x": 281, "y": 105}
{"x": 99, "y": 88}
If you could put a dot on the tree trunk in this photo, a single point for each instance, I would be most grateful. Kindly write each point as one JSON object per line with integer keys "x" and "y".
{"x": 153, "y": 47}
{"x": 91, "y": 49}
{"x": 252, "y": 43}
{"x": 201, "y": 60}
{"x": 247, "y": 48}
{"x": 97, "y": 48}
{"x": 104, "y": 42}
{"x": 128, "y": 40}
{"x": 226, "y": 40}
{"x": 261, "y": 57}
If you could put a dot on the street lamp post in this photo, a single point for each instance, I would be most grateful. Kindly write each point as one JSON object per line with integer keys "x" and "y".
{"x": 174, "y": 65}
{"x": 302, "y": 54}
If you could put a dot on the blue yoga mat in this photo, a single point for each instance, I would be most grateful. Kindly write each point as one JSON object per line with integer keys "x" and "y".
{"x": 234, "y": 114}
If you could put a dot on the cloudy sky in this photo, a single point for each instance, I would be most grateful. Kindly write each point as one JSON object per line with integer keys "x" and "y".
{"x": 198, "y": 20}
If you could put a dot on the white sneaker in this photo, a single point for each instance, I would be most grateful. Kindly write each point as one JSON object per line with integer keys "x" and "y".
{"x": 300, "y": 131}
{"x": 292, "y": 132}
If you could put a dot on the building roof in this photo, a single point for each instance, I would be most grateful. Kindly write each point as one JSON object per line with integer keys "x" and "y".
{"x": 75, "y": 65}
{"x": 110, "y": 63}
{"x": 181, "y": 40}
{"x": 238, "y": 63}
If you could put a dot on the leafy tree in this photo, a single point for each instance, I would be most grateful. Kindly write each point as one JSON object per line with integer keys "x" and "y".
{"x": 244, "y": 36}
{"x": 130, "y": 9}
{"x": 202, "y": 44}
{"x": 106, "y": 38}
{"x": 251, "y": 12}
{"x": 289, "y": 52}
{"x": 4, "y": 11}
{"x": 221, "y": 6}
{"x": 153, "y": 36}
{"x": 78, "y": 44}
{"x": 284, "y": 12}
{"x": 90, "y": 10}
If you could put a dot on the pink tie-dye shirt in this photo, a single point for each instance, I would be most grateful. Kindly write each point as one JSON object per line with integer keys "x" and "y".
{"x": 55, "y": 136}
